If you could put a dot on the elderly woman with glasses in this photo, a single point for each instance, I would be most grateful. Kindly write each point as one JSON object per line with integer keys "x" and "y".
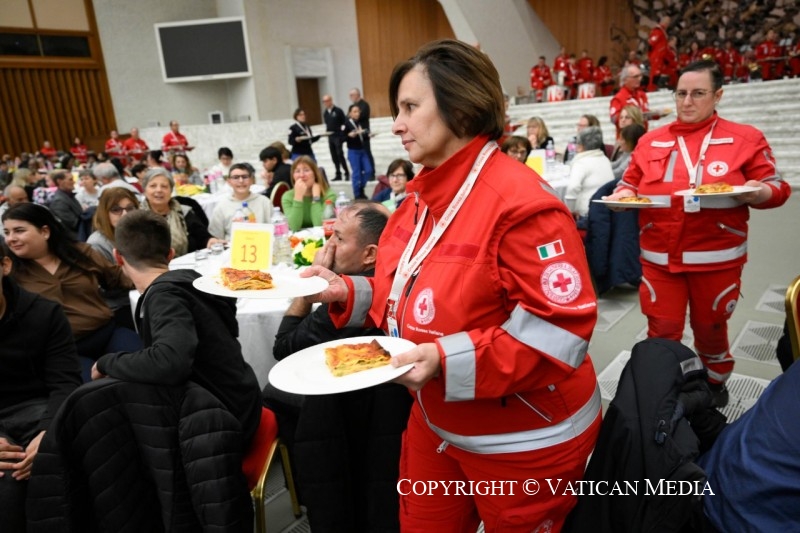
{"x": 240, "y": 178}
{"x": 693, "y": 247}
{"x": 589, "y": 171}
{"x": 400, "y": 172}
{"x": 187, "y": 230}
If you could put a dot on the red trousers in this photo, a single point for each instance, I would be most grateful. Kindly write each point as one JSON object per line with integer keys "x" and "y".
{"x": 711, "y": 297}
{"x": 498, "y": 496}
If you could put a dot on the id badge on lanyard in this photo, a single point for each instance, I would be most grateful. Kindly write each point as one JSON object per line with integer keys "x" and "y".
{"x": 691, "y": 204}
{"x": 409, "y": 266}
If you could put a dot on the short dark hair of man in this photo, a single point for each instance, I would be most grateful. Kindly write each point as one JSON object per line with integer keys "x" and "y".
{"x": 270, "y": 152}
{"x": 143, "y": 239}
{"x": 371, "y": 222}
{"x": 224, "y": 151}
{"x": 247, "y": 167}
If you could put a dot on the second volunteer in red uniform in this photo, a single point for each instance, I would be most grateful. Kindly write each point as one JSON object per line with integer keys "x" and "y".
{"x": 482, "y": 268}
{"x": 694, "y": 248}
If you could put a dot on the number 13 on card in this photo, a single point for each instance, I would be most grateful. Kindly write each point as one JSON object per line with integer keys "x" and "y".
{"x": 251, "y": 246}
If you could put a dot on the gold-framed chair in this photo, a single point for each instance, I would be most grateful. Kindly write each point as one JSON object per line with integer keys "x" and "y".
{"x": 793, "y": 315}
{"x": 256, "y": 465}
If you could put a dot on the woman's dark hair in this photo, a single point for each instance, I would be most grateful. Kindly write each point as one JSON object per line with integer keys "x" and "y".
{"x": 297, "y": 112}
{"x": 61, "y": 243}
{"x": 64, "y": 162}
{"x": 465, "y": 84}
{"x": 631, "y": 134}
{"x": 706, "y": 65}
{"x": 224, "y": 151}
{"x": 602, "y": 61}
{"x": 405, "y": 164}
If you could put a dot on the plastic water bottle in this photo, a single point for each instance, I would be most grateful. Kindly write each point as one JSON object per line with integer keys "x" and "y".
{"x": 247, "y": 214}
{"x": 549, "y": 156}
{"x": 571, "y": 147}
{"x": 327, "y": 211}
{"x": 342, "y": 202}
{"x": 281, "y": 248}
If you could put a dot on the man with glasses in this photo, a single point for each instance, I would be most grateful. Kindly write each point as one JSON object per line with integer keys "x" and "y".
{"x": 693, "y": 248}
{"x": 240, "y": 179}
{"x": 631, "y": 93}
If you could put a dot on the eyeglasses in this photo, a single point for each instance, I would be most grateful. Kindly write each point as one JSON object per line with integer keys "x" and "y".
{"x": 239, "y": 177}
{"x": 697, "y": 94}
{"x": 397, "y": 176}
{"x": 117, "y": 209}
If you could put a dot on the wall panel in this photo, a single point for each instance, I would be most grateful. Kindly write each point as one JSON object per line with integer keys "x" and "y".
{"x": 390, "y": 32}
{"x": 603, "y": 27}
{"x": 53, "y": 98}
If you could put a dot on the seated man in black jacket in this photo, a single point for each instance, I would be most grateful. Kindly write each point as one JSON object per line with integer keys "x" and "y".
{"x": 188, "y": 335}
{"x": 38, "y": 370}
{"x": 346, "y": 446}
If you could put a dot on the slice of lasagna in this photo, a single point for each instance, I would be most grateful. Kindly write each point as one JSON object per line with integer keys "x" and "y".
{"x": 636, "y": 200}
{"x": 708, "y": 188}
{"x": 350, "y": 358}
{"x": 241, "y": 280}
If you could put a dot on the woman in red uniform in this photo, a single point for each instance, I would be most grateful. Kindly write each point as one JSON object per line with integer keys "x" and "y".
{"x": 483, "y": 269}
{"x": 693, "y": 250}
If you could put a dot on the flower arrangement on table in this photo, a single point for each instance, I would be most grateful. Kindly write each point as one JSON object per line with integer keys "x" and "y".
{"x": 305, "y": 248}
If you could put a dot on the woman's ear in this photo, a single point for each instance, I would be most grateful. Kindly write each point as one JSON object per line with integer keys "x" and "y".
{"x": 5, "y": 265}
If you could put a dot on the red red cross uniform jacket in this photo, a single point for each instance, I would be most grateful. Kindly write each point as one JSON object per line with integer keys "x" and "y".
{"x": 174, "y": 141}
{"x": 627, "y": 97}
{"x": 697, "y": 257}
{"x": 506, "y": 296}
{"x": 541, "y": 77}
{"x": 659, "y": 48}
{"x": 767, "y": 54}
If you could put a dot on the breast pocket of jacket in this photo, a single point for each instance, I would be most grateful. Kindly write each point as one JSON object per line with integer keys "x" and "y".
{"x": 660, "y": 165}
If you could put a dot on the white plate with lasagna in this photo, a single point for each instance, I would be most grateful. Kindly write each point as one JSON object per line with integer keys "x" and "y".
{"x": 629, "y": 204}
{"x": 737, "y": 190}
{"x": 283, "y": 286}
{"x": 307, "y": 371}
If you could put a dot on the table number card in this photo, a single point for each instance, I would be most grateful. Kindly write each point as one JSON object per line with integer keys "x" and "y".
{"x": 251, "y": 246}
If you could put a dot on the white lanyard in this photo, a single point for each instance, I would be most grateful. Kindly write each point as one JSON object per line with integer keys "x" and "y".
{"x": 687, "y": 160}
{"x": 305, "y": 129}
{"x": 408, "y": 266}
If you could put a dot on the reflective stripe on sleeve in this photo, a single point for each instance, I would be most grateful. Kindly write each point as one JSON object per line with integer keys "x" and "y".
{"x": 714, "y": 256}
{"x": 545, "y": 337}
{"x": 525, "y": 441}
{"x": 459, "y": 352}
{"x": 362, "y": 300}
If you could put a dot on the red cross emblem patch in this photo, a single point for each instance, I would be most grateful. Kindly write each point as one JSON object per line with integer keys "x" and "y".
{"x": 424, "y": 310}
{"x": 561, "y": 283}
{"x": 717, "y": 168}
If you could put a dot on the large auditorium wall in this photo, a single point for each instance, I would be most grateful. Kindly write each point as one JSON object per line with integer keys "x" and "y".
{"x": 390, "y": 32}
{"x": 53, "y": 98}
{"x": 603, "y": 27}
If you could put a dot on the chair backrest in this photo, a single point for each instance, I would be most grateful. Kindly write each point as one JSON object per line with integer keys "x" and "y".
{"x": 262, "y": 447}
{"x": 196, "y": 207}
{"x": 383, "y": 184}
{"x": 793, "y": 315}
{"x": 277, "y": 193}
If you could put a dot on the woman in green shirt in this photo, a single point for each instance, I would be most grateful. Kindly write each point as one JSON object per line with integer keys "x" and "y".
{"x": 303, "y": 205}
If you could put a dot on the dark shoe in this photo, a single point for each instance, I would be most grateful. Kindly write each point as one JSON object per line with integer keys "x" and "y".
{"x": 337, "y": 178}
{"x": 720, "y": 394}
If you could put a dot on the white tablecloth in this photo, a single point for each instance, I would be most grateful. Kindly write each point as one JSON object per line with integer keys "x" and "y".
{"x": 558, "y": 178}
{"x": 258, "y": 319}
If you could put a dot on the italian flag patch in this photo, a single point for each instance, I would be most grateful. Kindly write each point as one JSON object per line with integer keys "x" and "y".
{"x": 551, "y": 250}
